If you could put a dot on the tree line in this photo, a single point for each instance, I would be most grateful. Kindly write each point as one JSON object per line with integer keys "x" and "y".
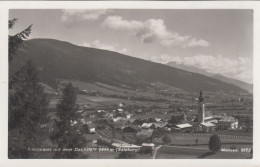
{"x": 27, "y": 109}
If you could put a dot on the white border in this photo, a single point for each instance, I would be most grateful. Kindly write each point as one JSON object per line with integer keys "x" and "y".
{"x": 6, "y": 5}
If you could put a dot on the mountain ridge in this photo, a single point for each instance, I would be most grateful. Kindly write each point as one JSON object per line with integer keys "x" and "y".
{"x": 241, "y": 84}
{"x": 62, "y": 60}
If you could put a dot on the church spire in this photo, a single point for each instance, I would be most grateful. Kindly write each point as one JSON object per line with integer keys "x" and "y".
{"x": 201, "y": 97}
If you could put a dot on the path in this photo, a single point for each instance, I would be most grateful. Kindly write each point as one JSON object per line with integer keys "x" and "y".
{"x": 155, "y": 151}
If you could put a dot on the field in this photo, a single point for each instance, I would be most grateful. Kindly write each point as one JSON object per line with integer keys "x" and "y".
{"x": 189, "y": 139}
{"x": 178, "y": 152}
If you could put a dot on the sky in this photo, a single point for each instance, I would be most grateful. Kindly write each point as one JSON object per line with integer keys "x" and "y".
{"x": 219, "y": 41}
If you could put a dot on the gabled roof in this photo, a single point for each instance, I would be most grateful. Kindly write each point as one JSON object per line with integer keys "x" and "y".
{"x": 146, "y": 125}
{"x": 148, "y": 144}
{"x": 160, "y": 124}
{"x": 186, "y": 125}
{"x": 228, "y": 119}
{"x": 147, "y": 133}
{"x": 125, "y": 145}
{"x": 208, "y": 124}
{"x": 133, "y": 127}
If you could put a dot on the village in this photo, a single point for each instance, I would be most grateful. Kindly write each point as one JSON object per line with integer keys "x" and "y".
{"x": 120, "y": 129}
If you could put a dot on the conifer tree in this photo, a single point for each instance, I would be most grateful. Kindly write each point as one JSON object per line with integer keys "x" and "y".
{"x": 27, "y": 110}
{"x": 16, "y": 40}
{"x": 214, "y": 143}
{"x": 66, "y": 134}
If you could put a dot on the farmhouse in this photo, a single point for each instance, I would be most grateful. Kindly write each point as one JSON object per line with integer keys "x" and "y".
{"x": 160, "y": 124}
{"x": 228, "y": 122}
{"x": 158, "y": 119}
{"x": 131, "y": 129}
{"x": 125, "y": 147}
{"x": 208, "y": 127}
{"x": 182, "y": 127}
{"x": 147, "y": 125}
{"x": 148, "y": 145}
{"x": 129, "y": 115}
{"x": 145, "y": 133}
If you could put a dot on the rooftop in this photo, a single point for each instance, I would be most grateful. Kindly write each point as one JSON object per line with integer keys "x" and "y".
{"x": 186, "y": 125}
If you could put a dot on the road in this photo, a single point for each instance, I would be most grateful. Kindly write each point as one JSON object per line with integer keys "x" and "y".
{"x": 155, "y": 151}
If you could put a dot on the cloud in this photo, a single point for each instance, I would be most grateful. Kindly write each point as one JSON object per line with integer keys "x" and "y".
{"x": 151, "y": 30}
{"x": 99, "y": 45}
{"x": 72, "y": 15}
{"x": 238, "y": 68}
{"x": 117, "y": 23}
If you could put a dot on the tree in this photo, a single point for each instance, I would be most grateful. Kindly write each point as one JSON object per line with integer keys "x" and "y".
{"x": 214, "y": 143}
{"x": 159, "y": 132}
{"x": 166, "y": 139}
{"x": 127, "y": 155}
{"x": 27, "y": 110}
{"x": 196, "y": 141}
{"x": 67, "y": 135}
{"x": 16, "y": 40}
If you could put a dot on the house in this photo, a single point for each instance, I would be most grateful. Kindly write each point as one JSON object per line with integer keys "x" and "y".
{"x": 132, "y": 120}
{"x": 149, "y": 145}
{"x": 227, "y": 123}
{"x": 121, "y": 105}
{"x": 91, "y": 139}
{"x": 92, "y": 129}
{"x": 129, "y": 115}
{"x": 147, "y": 148}
{"x": 211, "y": 120}
{"x": 122, "y": 122}
{"x": 116, "y": 119}
{"x": 83, "y": 121}
{"x": 109, "y": 115}
{"x": 87, "y": 127}
{"x": 79, "y": 111}
{"x": 87, "y": 106}
{"x": 158, "y": 119}
{"x": 131, "y": 129}
{"x": 72, "y": 123}
{"x": 119, "y": 126}
{"x": 139, "y": 111}
{"x": 207, "y": 126}
{"x": 145, "y": 133}
{"x": 125, "y": 147}
{"x": 100, "y": 111}
{"x": 160, "y": 124}
{"x": 147, "y": 125}
{"x": 182, "y": 127}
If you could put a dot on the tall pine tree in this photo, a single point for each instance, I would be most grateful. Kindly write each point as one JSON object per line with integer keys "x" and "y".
{"x": 27, "y": 110}
{"x": 66, "y": 134}
{"x": 27, "y": 103}
{"x": 16, "y": 40}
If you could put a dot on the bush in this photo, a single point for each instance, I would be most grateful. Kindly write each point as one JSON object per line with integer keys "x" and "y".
{"x": 214, "y": 143}
{"x": 166, "y": 139}
{"x": 127, "y": 155}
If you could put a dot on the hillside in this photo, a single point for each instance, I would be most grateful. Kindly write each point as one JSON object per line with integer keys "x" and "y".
{"x": 241, "y": 84}
{"x": 62, "y": 60}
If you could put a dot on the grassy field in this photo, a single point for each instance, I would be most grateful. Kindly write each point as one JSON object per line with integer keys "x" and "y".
{"x": 185, "y": 139}
{"x": 166, "y": 152}
{"x": 102, "y": 155}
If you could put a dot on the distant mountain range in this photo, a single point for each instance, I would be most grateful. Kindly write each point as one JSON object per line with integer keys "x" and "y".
{"x": 241, "y": 84}
{"x": 62, "y": 60}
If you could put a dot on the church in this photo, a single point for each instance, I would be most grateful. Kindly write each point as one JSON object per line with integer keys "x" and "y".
{"x": 202, "y": 124}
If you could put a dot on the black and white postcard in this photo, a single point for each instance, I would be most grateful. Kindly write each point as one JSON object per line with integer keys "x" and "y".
{"x": 129, "y": 80}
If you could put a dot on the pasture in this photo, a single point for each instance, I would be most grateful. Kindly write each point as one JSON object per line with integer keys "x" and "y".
{"x": 181, "y": 152}
{"x": 203, "y": 138}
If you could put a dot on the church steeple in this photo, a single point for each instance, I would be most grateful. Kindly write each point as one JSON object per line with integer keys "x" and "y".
{"x": 201, "y": 98}
{"x": 201, "y": 109}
